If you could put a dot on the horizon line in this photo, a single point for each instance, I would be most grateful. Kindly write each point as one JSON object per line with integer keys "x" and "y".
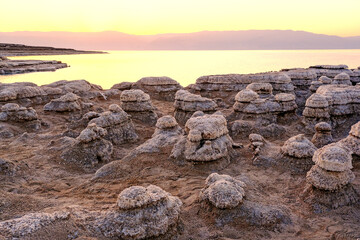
{"x": 173, "y": 33}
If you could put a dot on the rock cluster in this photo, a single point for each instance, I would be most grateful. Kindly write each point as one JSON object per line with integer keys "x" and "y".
{"x": 332, "y": 71}
{"x": 138, "y": 105}
{"x": 256, "y": 102}
{"x": 186, "y": 104}
{"x": 323, "y": 80}
{"x": 118, "y": 124}
{"x": 69, "y": 102}
{"x": 322, "y": 135}
{"x": 227, "y": 86}
{"x": 142, "y": 213}
{"x": 13, "y": 114}
{"x": 342, "y": 78}
{"x": 223, "y": 191}
{"x": 331, "y": 176}
{"x": 26, "y": 66}
{"x": 89, "y": 148}
{"x": 352, "y": 141}
{"x": 302, "y": 80}
{"x": 332, "y": 103}
{"x": 160, "y": 88}
{"x": 297, "y": 153}
{"x": 206, "y": 140}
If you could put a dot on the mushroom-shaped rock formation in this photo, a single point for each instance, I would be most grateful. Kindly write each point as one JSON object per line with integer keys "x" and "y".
{"x": 12, "y": 115}
{"x": 206, "y": 140}
{"x": 352, "y": 142}
{"x": 297, "y": 153}
{"x": 142, "y": 213}
{"x": 160, "y": 88}
{"x": 342, "y": 78}
{"x": 89, "y": 148}
{"x": 227, "y": 86}
{"x": 325, "y": 80}
{"x": 69, "y": 102}
{"x": 331, "y": 176}
{"x": 323, "y": 135}
{"x": 264, "y": 90}
{"x": 186, "y": 104}
{"x": 316, "y": 110}
{"x": 137, "y": 103}
{"x": 223, "y": 191}
{"x": 302, "y": 79}
{"x": 118, "y": 124}
{"x": 250, "y": 106}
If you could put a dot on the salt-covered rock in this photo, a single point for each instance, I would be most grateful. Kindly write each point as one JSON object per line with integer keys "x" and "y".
{"x": 160, "y": 88}
{"x": 330, "y": 178}
{"x": 298, "y": 146}
{"x": 118, "y": 124}
{"x": 69, "y": 102}
{"x": 89, "y": 148}
{"x": 13, "y": 112}
{"x": 342, "y": 78}
{"x": 352, "y": 141}
{"x": 325, "y": 80}
{"x": 206, "y": 140}
{"x": 223, "y": 191}
{"x": 186, "y": 104}
{"x": 137, "y": 103}
{"x": 262, "y": 89}
{"x": 227, "y": 86}
{"x": 143, "y": 213}
{"x": 322, "y": 135}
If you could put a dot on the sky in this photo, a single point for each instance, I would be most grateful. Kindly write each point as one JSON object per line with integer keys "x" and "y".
{"x": 145, "y": 17}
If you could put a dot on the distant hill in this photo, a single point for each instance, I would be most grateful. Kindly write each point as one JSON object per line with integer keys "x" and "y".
{"x": 207, "y": 40}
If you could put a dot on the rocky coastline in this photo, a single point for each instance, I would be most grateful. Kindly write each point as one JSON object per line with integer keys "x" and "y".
{"x": 8, "y": 66}
{"x": 243, "y": 156}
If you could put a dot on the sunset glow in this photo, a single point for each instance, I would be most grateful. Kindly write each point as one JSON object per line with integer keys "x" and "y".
{"x": 167, "y": 16}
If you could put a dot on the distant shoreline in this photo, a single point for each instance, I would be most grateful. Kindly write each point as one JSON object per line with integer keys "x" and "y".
{"x": 16, "y": 50}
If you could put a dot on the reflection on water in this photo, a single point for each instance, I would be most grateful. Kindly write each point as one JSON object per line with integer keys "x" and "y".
{"x": 183, "y": 66}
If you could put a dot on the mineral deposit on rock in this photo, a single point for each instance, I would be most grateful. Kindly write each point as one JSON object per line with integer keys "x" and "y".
{"x": 223, "y": 191}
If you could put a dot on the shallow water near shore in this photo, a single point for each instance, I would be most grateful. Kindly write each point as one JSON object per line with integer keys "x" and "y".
{"x": 183, "y": 66}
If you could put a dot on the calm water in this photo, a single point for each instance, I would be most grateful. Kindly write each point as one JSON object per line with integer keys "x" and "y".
{"x": 183, "y": 66}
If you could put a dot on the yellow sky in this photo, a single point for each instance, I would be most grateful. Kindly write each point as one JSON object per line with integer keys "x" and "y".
{"x": 331, "y": 17}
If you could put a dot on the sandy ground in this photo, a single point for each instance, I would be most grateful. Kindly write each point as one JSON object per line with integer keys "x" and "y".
{"x": 44, "y": 182}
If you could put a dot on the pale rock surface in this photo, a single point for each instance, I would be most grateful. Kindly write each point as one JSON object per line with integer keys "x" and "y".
{"x": 118, "y": 124}
{"x": 186, "y": 104}
{"x": 223, "y": 191}
{"x": 322, "y": 135}
{"x": 137, "y": 103}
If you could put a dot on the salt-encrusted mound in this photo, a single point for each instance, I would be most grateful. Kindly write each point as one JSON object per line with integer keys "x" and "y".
{"x": 22, "y": 227}
{"x": 118, "y": 124}
{"x": 325, "y": 80}
{"x": 328, "y": 180}
{"x": 137, "y": 103}
{"x": 256, "y": 102}
{"x": 89, "y": 148}
{"x": 160, "y": 88}
{"x": 81, "y": 88}
{"x": 143, "y": 213}
{"x": 69, "y": 102}
{"x": 223, "y": 191}
{"x": 298, "y": 146}
{"x": 333, "y": 158}
{"x": 13, "y": 112}
{"x": 343, "y": 104}
{"x": 17, "y": 119}
{"x": 227, "y": 86}
{"x": 206, "y": 140}
{"x": 342, "y": 78}
{"x": 262, "y": 89}
{"x": 296, "y": 154}
{"x": 352, "y": 142}
{"x": 322, "y": 135}
{"x": 246, "y": 96}
{"x": 331, "y": 177}
{"x": 186, "y": 104}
